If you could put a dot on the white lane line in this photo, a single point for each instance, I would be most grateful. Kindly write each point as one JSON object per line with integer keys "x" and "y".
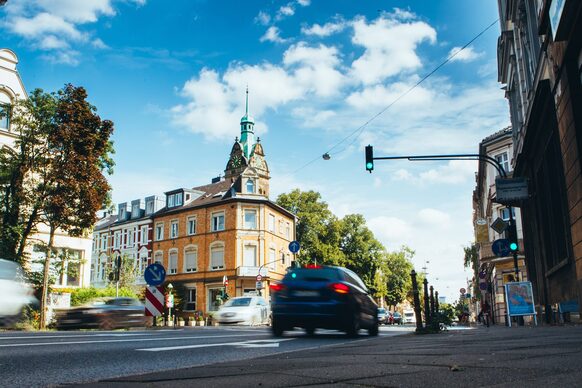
{"x": 81, "y": 335}
{"x": 244, "y": 344}
{"x": 124, "y": 340}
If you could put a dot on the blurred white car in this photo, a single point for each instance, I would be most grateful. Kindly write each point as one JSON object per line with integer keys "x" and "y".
{"x": 15, "y": 293}
{"x": 244, "y": 310}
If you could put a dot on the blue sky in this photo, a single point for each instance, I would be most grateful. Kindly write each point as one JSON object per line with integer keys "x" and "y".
{"x": 171, "y": 75}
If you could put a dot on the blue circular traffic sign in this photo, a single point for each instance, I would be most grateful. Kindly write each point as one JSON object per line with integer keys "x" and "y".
{"x": 294, "y": 246}
{"x": 501, "y": 247}
{"x": 155, "y": 274}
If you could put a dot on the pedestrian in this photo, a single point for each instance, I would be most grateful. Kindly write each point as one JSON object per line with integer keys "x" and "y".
{"x": 485, "y": 311}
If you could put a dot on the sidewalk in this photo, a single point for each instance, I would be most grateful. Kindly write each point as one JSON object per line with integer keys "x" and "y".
{"x": 496, "y": 356}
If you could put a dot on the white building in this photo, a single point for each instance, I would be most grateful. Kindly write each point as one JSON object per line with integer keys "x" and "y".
{"x": 12, "y": 89}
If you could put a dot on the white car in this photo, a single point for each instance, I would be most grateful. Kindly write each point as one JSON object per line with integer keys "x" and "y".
{"x": 408, "y": 316}
{"x": 15, "y": 291}
{"x": 244, "y": 310}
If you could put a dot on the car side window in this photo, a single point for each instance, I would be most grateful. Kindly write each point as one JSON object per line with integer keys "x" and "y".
{"x": 355, "y": 280}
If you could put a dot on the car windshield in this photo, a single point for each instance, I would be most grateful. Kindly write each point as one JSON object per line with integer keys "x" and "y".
{"x": 238, "y": 302}
{"x": 396, "y": 314}
{"x": 312, "y": 275}
{"x": 381, "y": 311}
{"x": 7, "y": 270}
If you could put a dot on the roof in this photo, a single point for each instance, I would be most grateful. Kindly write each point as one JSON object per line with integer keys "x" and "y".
{"x": 105, "y": 222}
{"x": 497, "y": 135}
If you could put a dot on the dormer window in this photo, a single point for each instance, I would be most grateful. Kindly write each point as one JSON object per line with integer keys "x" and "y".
{"x": 175, "y": 199}
{"x": 150, "y": 207}
{"x": 122, "y": 214}
{"x": 135, "y": 210}
{"x": 250, "y": 186}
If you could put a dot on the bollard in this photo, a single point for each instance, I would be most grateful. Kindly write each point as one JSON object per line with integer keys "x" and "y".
{"x": 436, "y": 301}
{"x": 416, "y": 298}
{"x": 432, "y": 310}
{"x": 426, "y": 304}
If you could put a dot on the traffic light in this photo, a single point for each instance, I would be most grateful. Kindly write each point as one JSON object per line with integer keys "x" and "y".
{"x": 369, "y": 158}
{"x": 512, "y": 237}
{"x": 118, "y": 268}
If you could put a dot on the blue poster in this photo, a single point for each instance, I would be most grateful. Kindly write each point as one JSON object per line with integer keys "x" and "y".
{"x": 519, "y": 297}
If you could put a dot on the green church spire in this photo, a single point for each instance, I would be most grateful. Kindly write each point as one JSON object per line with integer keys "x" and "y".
{"x": 247, "y": 134}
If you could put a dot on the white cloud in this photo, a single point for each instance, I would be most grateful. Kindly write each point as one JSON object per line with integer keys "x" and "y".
{"x": 390, "y": 47}
{"x": 272, "y": 35}
{"x": 304, "y": 3}
{"x": 326, "y": 30}
{"x": 435, "y": 218}
{"x": 457, "y": 54}
{"x": 286, "y": 10}
{"x": 56, "y": 26}
{"x": 263, "y": 18}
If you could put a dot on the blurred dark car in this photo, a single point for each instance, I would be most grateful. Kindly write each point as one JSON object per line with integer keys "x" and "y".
{"x": 107, "y": 315}
{"x": 383, "y": 316}
{"x": 322, "y": 297}
{"x": 16, "y": 293}
{"x": 396, "y": 318}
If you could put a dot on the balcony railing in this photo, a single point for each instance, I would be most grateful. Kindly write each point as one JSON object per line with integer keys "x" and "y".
{"x": 251, "y": 271}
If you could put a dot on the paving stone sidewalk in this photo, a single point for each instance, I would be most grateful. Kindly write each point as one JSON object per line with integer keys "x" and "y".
{"x": 496, "y": 356}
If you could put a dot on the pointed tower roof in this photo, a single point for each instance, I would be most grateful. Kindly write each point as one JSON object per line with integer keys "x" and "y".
{"x": 246, "y": 118}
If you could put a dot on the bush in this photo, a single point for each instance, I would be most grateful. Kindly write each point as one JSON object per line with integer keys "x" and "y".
{"x": 81, "y": 296}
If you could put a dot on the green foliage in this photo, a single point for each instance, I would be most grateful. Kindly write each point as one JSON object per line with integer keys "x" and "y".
{"x": 80, "y": 296}
{"x": 471, "y": 260}
{"x": 398, "y": 278}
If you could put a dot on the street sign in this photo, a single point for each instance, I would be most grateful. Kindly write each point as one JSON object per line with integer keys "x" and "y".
{"x": 483, "y": 286}
{"x": 224, "y": 281}
{"x": 170, "y": 300}
{"x": 259, "y": 285}
{"x": 294, "y": 246}
{"x": 509, "y": 190}
{"x": 499, "y": 225}
{"x": 462, "y": 291}
{"x": 154, "y": 301}
{"x": 501, "y": 247}
{"x": 259, "y": 278}
{"x": 155, "y": 274}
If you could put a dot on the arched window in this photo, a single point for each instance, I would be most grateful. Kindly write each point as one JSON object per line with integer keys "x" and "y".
{"x": 250, "y": 186}
{"x": 190, "y": 258}
{"x": 217, "y": 255}
{"x": 5, "y": 110}
{"x": 159, "y": 257}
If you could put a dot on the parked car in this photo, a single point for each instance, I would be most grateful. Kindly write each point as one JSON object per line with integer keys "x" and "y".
{"x": 408, "y": 316}
{"x": 106, "y": 314}
{"x": 16, "y": 293}
{"x": 396, "y": 318}
{"x": 244, "y": 310}
{"x": 383, "y": 316}
{"x": 322, "y": 297}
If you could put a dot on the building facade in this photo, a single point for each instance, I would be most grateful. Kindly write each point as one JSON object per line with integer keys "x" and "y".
{"x": 227, "y": 230}
{"x": 495, "y": 271}
{"x": 540, "y": 64}
{"x": 73, "y": 252}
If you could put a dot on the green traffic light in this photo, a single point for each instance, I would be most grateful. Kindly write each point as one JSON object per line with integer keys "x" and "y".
{"x": 369, "y": 166}
{"x": 513, "y": 246}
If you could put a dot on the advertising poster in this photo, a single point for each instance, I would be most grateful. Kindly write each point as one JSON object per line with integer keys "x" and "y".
{"x": 519, "y": 297}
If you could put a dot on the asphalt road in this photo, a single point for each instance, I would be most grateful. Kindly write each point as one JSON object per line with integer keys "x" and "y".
{"x": 53, "y": 358}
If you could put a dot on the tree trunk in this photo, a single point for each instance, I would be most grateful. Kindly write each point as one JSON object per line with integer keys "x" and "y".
{"x": 45, "y": 279}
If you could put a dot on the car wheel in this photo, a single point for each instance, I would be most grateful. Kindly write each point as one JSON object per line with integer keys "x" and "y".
{"x": 10, "y": 321}
{"x": 277, "y": 328}
{"x": 354, "y": 325}
{"x": 373, "y": 330}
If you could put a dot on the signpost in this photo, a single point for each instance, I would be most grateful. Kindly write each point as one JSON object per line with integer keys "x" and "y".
{"x": 509, "y": 190}
{"x": 520, "y": 301}
{"x": 462, "y": 291}
{"x": 155, "y": 274}
{"x": 259, "y": 285}
{"x": 259, "y": 278}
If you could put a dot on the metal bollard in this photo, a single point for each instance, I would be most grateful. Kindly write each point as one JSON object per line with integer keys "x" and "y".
{"x": 416, "y": 298}
{"x": 426, "y": 304}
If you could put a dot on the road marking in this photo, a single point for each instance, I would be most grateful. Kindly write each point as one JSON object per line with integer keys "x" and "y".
{"x": 245, "y": 344}
{"x": 112, "y": 334}
{"x": 124, "y": 340}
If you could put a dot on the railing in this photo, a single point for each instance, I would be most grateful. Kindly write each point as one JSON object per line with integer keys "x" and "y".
{"x": 252, "y": 271}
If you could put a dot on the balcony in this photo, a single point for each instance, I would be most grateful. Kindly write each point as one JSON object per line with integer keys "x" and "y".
{"x": 251, "y": 271}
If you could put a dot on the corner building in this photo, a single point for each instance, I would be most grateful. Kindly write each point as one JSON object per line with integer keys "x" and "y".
{"x": 228, "y": 228}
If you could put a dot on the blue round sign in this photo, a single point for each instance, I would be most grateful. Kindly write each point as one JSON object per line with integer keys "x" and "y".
{"x": 294, "y": 246}
{"x": 155, "y": 274}
{"x": 501, "y": 247}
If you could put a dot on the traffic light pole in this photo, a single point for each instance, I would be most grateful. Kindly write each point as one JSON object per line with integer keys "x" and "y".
{"x": 424, "y": 158}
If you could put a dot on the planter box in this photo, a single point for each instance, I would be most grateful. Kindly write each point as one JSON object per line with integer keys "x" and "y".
{"x": 200, "y": 323}
{"x": 170, "y": 323}
{"x": 181, "y": 323}
{"x": 191, "y": 323}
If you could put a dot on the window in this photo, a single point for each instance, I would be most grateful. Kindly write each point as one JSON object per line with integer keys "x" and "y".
{"x": 272, "y": 258}
{"x": 142, "y": 263}
{"x": 250, "y": 186}
{"x": 217, "y": 222}
{"x": 159, "y": 231}
{"x": 150, "y": 207}
{"x": 101, "y": 267}
{"x": 174, "y": 229}
{"x": 159, "y": 257}
{"x": 173, "y": 262}
{"x": 175, "y": 200}
{"x": 217, "y": 256}
{"x": 130, "y": 238}
{"x": 287, "y": 231}
{"x": 271, "y": 222}
{"x": 250, "y": 256}
{"x": 191, "y": 225}
{"x": 4, "y": 116}
{"x": 250, "y": 219}
{"x": 190, "y": 259}
{"x": 190, "y": 300}
{"x": 122, "y": 213}
{"x": 144, "y": 234}
{"x": 280, "y": 227}
{"x": 103, "y": 242}
{"x": 502, "y": 159}
{"x": 135, "y": 210}
{"x": 117, "y": 240}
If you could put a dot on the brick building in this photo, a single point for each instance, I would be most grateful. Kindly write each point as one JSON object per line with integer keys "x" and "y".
{"x": 540, "y": 63}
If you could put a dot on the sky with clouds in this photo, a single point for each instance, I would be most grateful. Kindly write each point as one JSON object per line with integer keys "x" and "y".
{"x": 323, "y": 76}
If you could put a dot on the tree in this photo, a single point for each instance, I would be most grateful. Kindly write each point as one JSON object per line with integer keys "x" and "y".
{"x": 398, "y": 280}
{"x": 317, "y": 230}
{"x": 79, "y": 149}
{"x": 471, "y": 260}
